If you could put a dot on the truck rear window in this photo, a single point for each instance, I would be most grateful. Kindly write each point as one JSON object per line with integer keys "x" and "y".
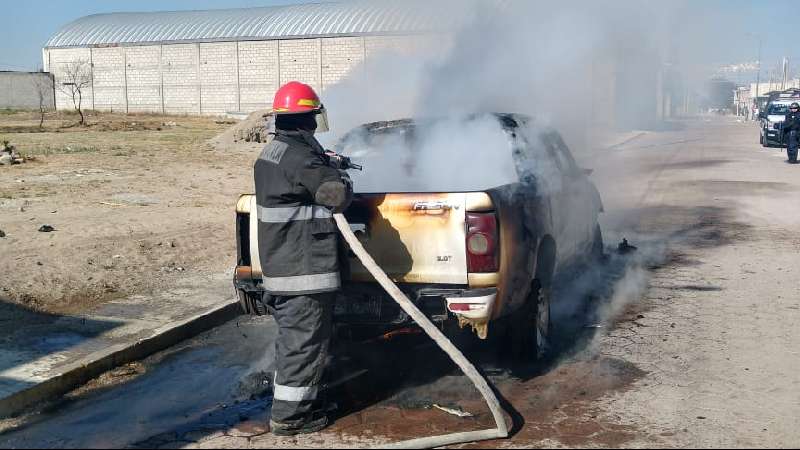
{"x": 778, "y": 110}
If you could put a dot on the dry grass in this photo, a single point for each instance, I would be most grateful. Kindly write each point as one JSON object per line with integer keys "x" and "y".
{"x": 116, "y": 191}
{"x": 105, "y": 132}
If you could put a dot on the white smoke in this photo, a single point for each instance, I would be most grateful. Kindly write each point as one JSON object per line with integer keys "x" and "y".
{"x": 560, "y": 63}
{"x": 571, "y": 65}
{"x": 449, "y": 155}
{"x": 546, "y": 59}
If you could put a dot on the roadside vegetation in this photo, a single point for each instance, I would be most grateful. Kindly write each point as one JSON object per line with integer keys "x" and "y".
{"x": 138, "y": 203}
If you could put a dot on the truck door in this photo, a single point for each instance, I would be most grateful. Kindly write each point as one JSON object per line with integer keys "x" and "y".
{"x": 576, "y": 201}
{"x": 586, "y": 198}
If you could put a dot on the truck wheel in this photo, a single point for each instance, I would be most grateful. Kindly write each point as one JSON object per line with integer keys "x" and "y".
{"x": 532, "y": 327}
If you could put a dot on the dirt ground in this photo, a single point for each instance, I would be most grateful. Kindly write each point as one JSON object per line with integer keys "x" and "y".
{"x": 136, "y": 201}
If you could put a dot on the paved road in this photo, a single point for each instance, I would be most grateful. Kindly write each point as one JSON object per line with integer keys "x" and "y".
{"x": 692, "y": 341}
{"x": 719, "y": 338}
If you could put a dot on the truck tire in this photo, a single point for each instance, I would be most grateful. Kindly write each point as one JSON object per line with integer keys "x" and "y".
{"x": 531, "y": 328}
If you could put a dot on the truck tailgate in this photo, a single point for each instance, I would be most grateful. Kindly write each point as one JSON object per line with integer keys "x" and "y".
{"x": 415, "y": 238}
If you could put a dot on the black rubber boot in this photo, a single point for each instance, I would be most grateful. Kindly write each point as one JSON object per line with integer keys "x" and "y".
{"x": 313, "y": 426}
{"x": 792, "y": 147}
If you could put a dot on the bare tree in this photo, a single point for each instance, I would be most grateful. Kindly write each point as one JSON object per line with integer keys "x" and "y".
{"x": 43, "y": 87}
{"x": 76, "y": 77}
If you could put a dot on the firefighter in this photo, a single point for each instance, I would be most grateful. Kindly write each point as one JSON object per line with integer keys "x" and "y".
{"x": 791, "y": 131}
{"x": 298, "y": 191}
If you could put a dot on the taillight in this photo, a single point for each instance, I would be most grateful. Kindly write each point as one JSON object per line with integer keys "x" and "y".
{"x": 466, "y": 307}
{"x": 482, "y": 243}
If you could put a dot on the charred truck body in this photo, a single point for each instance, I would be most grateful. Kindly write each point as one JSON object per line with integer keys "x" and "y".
{"x": 473, "y": 229}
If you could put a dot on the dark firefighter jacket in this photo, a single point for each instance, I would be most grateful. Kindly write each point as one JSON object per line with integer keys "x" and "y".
{"x": 297, "y": 193}
{"x": 792, "y": 122}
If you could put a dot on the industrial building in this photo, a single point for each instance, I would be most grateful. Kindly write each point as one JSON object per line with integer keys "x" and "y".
{"x": 220, "y": 61}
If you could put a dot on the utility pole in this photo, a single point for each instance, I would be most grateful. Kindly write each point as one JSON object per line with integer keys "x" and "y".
{"x": 785, "y": 73}
{"x": 771, "y": 78}
{"x": 758, "y": 76}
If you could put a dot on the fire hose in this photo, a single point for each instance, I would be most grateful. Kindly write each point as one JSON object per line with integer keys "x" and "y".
{"x": 501, "y": 432}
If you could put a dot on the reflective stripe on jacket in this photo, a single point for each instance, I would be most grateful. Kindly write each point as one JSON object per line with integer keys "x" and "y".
{"x": 298, "y": 239}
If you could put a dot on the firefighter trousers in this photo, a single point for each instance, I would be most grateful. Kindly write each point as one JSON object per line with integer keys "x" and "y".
{"x": 305, "y": 325}
{"x": 793, "y": 144}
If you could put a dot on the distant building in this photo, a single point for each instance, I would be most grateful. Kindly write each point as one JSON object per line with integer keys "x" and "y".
{"x": 213, "y": 62}
{"x": 763, "y": 89}
{"x": 742, "y": 99}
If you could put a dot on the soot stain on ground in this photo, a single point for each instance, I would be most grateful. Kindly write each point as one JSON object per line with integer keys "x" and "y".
{"x": 552, "y": 400}
{"x": 557, "y": 405}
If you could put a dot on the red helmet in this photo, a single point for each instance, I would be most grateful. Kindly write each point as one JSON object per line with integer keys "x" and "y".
{"x": 298, "y": 98}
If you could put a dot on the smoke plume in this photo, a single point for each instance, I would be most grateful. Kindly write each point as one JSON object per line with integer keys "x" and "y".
{"x": 560, "y": 62}
{"x": 577, "y": 66}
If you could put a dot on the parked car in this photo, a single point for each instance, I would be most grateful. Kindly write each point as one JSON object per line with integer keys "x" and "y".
{"x": 477, "y": 240}
{"x": 773, "y": 116}
{"x": 771, "y": 121}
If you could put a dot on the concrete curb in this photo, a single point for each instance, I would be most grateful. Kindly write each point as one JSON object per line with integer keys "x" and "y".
{"x": 92, "y": 366}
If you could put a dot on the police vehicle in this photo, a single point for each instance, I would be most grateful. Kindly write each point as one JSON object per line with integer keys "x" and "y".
{"x": 773, "y": 116}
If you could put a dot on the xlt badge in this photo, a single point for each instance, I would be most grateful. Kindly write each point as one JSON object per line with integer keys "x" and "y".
{"x": 434, "y": 206}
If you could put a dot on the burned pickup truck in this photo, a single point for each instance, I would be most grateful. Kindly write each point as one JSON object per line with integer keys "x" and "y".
{"x": 472, "y": 217}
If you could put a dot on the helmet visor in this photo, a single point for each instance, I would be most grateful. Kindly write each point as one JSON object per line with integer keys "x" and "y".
{"x": 323, "y": 125}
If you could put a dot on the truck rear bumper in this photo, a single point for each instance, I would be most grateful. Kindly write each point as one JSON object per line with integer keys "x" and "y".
{"x": 475, "y": 305}
{"x": 369, "y": 304}
{"x": 773, "y": 137}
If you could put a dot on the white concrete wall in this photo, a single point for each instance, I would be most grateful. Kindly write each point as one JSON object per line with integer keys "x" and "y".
{"x": 109, "y": 79}
{"x": 215, "y": 78}
{"x": 181, "y": 70}
{"x": 219, "y": 78}
{"x": 21, "y": 90}
{"x": 58, "y": 61}
{"x": 259, "y": 73}
{"x": 301, "y": 60}
{"x": 339, "y": 57}
{"x": 143, "y": 76}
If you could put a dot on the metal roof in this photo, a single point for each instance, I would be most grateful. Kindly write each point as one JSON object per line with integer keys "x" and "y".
{"x": 277, "y": 22}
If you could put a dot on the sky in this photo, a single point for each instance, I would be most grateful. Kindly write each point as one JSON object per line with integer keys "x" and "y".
{"x": 725, "y": 30}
